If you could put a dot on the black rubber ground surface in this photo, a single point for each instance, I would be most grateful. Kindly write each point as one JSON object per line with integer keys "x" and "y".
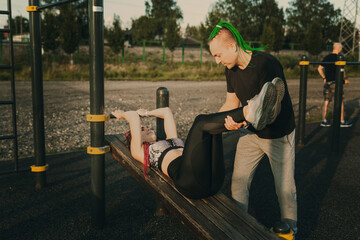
{"x": 328, "y": 190}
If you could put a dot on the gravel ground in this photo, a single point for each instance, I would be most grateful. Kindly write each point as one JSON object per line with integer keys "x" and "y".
{"x": 66, "y": 105}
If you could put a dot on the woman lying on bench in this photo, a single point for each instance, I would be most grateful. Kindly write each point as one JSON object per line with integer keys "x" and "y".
{"x": 197, "y": 168}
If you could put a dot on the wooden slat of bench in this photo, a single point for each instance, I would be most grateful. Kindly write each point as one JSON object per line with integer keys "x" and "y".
{"x": 210, "y": 212}
{"x": 216, "y": 217}
{"x": 233, "y": 214}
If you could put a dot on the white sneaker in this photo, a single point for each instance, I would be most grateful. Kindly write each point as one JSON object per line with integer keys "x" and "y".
{"x": 280, "y": 92}
{"x": 260, "y": 107}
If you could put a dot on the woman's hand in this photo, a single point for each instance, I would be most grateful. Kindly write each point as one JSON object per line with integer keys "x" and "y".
{"x": 118, "y": 114}
{"x": 142, "y": 112}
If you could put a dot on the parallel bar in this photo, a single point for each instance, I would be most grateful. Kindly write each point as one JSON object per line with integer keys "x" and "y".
{"x": 339, "y": 79}
{"x": 4, "y": 12}
{"x": 6, "y": 102}
{"x": 37, "y": 94}
{"x": 162, "y": 100}
{"x": 7, "y": 137}
{"x": 55, "y": 4}
{"x": 183, "y": 53}
{"x": 332, "y": 63}
{"x": 300, "y": 130}
{"x": 201, "y": 53}
{"x": 96, "y": 18}
{"x": 15, "y": 145}
{"x": 5, "y": 67}
{"x": 144, "y": 43}
{"x": 4, "y": 30}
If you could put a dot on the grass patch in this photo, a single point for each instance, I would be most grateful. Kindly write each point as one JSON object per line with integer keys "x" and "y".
{"x": 57, "y": 68}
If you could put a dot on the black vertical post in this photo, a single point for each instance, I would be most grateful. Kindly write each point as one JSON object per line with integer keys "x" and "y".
{"x": 97, "y": 108}
{"x": 37, "y": 94}
{"x": 183, "y": 52}
{"x": 162, "y": 100}
{"x": 13, "y": 98}
{"x": 339, "y": 78}
{"x": 304, "y": 65}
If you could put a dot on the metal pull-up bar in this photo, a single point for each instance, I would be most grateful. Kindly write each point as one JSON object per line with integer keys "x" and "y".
{"x": 37, "y": 8}
{"x": 339, "y": 79}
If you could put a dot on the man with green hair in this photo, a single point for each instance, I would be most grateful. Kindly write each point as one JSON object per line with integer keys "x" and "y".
{"x": 247, "y": 70}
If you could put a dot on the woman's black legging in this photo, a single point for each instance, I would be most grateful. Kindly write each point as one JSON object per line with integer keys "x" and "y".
{"x": 200, "y": 171}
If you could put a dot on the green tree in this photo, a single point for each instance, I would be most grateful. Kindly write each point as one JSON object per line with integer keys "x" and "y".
{"x": 20, "y": 25}
{"x": 172, "y": 36}
{"x": 192, "y": 32}
{"x": 115, "y": 36}
{"x": 50, "y": 32}
{"x": 248, "y": 16}
{"x": 273, "y": 35}
{"x": 81, "y": 9}
{"x": 268, "y": 38}
{"x": 314, "y": 42}
{"x": 162, "y": 12}
{"x": 69, "y": 30}
{"x": 303, "y": 12}
{"x": 143, "y": 28}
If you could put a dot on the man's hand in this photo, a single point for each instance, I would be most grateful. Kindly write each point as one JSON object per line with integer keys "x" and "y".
{"x": 231, "y": 125}
{"x": 347, "y": 81}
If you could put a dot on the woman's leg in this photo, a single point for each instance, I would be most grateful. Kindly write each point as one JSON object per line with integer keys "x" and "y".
{"x": 200, "y": 171}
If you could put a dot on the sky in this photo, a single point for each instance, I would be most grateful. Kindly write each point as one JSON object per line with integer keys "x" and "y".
{"x": 194, "y": 11}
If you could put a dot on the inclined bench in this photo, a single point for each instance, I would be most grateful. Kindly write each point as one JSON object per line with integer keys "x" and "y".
{"x": 216, "y": 217}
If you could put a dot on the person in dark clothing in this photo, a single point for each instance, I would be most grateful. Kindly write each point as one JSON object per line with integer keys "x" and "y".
{"x": 247, "y": 70}
{"x": 329, "y": 85}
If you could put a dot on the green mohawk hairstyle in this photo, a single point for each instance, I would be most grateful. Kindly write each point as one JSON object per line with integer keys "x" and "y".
{"x": 238, "y": 38}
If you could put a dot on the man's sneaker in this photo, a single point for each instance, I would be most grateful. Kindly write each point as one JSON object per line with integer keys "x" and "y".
{"x": 260, "y": 107}
{"x": 325, "y": 123}
{"x": 280, "y": 92}
{"x": 345, "y": 124}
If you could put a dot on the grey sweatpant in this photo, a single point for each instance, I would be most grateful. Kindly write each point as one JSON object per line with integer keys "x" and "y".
{"x": 281, "y": 154}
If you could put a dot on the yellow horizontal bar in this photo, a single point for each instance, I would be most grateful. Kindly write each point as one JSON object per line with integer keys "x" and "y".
{"x": 98, "y": 150}
{"x": 97, "y": 118}
{"x": 304, "y": 63}
{"x": 342, "y": 63}
{"x": 39, "y": 168}
{"x": 32, "y": 8}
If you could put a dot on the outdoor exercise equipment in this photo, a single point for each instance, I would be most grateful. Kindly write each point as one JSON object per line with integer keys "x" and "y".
{"x": 339, "y": 78}
{"x": 10, "y": 67}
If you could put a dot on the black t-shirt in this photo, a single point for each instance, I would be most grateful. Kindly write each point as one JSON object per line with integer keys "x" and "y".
{"x": 248, "y": 82}
{"x": 330, "y": 70}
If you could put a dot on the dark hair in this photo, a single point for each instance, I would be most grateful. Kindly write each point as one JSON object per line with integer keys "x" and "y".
{"x": 127, "y": 139}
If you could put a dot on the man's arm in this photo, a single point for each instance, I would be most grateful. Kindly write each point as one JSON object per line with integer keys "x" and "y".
{"x": 321, "y": 72}
{"x": 231, "y": 102}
